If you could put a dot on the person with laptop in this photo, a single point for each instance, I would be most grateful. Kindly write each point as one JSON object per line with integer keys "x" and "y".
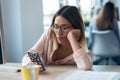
{"x": 64, "y": 42}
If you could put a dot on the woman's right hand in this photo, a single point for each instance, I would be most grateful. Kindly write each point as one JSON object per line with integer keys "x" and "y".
{"x": 26, "y": 61}
{"x": 73, "y": 37}
{"x": 32, "y": 63}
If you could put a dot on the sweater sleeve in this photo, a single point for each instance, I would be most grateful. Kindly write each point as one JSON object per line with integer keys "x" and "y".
{"x": 82, "y": 59}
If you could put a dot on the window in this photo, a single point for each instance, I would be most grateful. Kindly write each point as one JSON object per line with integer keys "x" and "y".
{"x": 50, "y": 7}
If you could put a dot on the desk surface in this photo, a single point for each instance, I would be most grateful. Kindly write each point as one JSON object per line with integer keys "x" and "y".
{"x": 52, "y": 71}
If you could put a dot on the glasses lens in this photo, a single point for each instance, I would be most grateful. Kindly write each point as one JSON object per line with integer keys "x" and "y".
{"x": 63, "y": 27}
{"x": 56, "y": 27}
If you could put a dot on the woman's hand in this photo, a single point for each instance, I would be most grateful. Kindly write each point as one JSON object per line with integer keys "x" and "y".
{"x": 32, "y": 63}
{"x": 74, "y": 33}
{"x": 73, "y": 37}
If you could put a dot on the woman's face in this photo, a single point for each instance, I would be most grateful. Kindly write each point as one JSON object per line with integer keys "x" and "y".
{"x": 61, "y": 28}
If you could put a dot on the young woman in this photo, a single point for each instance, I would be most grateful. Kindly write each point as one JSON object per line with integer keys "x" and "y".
{"x": 64, "y": 42}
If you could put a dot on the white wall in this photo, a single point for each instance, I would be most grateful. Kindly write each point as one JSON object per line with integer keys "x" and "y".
{"x": 32, "y": 22}
{"x": 23, "y": 25}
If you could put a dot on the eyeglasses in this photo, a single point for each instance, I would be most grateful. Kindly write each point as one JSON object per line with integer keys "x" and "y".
{"x": 62, "y": 27}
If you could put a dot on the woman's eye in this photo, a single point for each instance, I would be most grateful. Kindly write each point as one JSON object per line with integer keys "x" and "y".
{"x": 56, "y": 27}
{"x": 64, "y": 27}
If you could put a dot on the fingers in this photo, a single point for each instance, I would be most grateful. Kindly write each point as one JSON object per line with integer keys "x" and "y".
{"x": 32, "y": 63}
{"x": 74, "y": 32}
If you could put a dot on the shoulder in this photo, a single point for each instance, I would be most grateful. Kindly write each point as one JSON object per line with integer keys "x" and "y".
{"x": 48, "y": 32}
{"x": 45, "y": 37}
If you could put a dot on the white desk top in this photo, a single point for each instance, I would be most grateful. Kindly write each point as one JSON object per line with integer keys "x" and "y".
{"x": 52, "y": 71}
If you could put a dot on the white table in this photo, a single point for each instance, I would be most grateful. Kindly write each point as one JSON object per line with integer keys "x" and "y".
{"x": 52, "y": 71}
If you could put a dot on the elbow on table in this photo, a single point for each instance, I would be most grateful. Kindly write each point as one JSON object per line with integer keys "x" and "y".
{"x": 85, "y": 67}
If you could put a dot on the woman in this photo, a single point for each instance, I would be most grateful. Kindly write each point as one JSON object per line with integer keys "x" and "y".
{"x": 64, "y": 42}
{"x": 106, "y": 20}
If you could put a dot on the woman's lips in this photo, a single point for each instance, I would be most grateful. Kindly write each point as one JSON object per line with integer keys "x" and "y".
{"x": 60, "y": 38}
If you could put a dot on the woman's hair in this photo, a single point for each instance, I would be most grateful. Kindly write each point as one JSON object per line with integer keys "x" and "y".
{"x": 106, "y": 17}
{"x": 72, "y": 14}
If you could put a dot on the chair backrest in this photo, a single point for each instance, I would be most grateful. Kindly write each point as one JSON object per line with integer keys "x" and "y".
{"x": 105, "y": 44}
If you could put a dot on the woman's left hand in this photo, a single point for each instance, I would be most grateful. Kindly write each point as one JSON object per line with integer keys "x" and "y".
{"x": 74, "y": 33}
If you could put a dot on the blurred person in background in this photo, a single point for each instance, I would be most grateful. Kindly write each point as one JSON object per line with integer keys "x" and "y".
{"x": 106, "y": 20}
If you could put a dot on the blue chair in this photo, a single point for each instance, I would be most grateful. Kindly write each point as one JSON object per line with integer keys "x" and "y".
{"x": 105, "y": 46}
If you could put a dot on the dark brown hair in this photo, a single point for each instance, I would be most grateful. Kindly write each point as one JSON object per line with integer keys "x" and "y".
{"x": 106, "y": 17}
{"x": 72, "y": 14}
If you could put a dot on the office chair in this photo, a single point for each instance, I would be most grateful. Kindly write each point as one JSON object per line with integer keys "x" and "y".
{"x": 105, "y": 45}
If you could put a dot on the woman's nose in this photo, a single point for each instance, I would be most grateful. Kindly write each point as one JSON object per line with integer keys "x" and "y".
{"x": 60, "y": 31}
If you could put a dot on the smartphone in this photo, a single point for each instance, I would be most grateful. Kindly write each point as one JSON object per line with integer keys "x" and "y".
{"x": 34, "y": 57}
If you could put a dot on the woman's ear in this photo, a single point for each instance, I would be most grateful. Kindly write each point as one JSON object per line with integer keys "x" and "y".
{"x": 55, "y": 43}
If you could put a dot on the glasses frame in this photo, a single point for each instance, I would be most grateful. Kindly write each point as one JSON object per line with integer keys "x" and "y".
{"x": 62, "y": 27}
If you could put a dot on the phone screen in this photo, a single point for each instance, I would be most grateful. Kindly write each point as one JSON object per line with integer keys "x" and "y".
{"x": 34, "y": 57}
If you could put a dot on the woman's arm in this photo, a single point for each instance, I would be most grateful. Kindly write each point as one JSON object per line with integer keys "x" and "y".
{"x": 81, "y": 56}
{"x": 82, "y": 59}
